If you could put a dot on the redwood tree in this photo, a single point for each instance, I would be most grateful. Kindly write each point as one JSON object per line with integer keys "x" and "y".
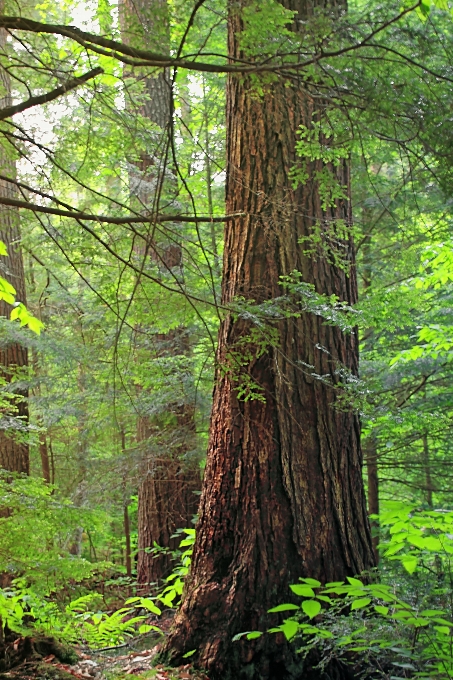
{"x": 14, "y": 453}
{"x": 283, "y": 493}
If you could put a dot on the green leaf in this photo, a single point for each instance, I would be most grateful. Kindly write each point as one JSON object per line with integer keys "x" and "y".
{"x": 334, "y": 584}
{"x": 238, "y": 636}
{"x": 35, "y": 325}
{"x": 282, "y": 608}
{"x": 146, "y": 628}
{"x": 401, "y": 615}
{"x": 254, "y": 635}
{"x": 303, "y": 591}
{"x": 381, "y": 609}
{"x": 3, "y": 250}
{"x": 409, "y": 562}
{"x": 289, "y": 628}
{"x": 355, "y": 582}
{"x": 433, "y": 544}
{"x": 360, "y": 603}
{"x": 444, "y": 622}
{"x": 431, "y": 612}
{"x": 148, "y": 604}
{"x": 311, "y": 582}
{"x": 311, "y": 608}
{"x": 192, "y": 652}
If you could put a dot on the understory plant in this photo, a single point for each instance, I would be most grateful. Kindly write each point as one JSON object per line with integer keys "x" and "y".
{"x": 84, "y": 619}
{"x": 369, "y": 625}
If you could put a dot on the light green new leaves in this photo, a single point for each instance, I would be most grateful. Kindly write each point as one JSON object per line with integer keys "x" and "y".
{"x": 415, "y": 533}
{"x": 311, "y": 608}
{"x": 20, "y": 312}
{"x": 7, "y": 291}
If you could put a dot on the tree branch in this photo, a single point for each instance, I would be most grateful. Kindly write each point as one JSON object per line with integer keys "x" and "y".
{"x": 34, "y": 207}
{"x": 9, "y": 111}
{"x": 138, "y": 57}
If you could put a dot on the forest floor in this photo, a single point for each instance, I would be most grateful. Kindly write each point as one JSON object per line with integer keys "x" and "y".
{"x": 29, "y": 658}
{"x": 136, "y": 665}
{"x": 133, "y": 666}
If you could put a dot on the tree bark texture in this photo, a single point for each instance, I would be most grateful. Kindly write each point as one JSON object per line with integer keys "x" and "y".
{"x": 283, "y": 494}
{"x": 14, "y": 455}
{"x": 166, "y": 498}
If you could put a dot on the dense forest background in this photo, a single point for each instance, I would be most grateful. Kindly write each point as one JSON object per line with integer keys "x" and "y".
{"x": 226, "y": 227}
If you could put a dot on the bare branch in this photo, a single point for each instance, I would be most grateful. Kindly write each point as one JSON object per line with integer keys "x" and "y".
{"x": 9, "y": 111}
{"x": 106, "y": 219}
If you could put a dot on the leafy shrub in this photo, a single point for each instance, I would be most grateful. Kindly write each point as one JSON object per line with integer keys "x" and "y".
{"x": 369, "y": 625}
{"x": 82, "y": 620}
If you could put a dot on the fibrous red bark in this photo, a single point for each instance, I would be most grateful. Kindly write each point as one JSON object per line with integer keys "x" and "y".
{"x": 14, "y": 452}
{"x": 283, "y": 493}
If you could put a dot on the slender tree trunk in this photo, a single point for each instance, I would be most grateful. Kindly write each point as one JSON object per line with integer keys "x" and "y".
{"x": 14, "y": 454}
{"x": 427, "y": 470}
{"x": 283, "y": 493}
{"x": 207, "y": 161}
{"x": 127, "y": 536}
{"x": 44, "y": 453}
{"x": 373, "y": 489}
{"x": 166, "y": 499}
{"x": 367, "y": 339}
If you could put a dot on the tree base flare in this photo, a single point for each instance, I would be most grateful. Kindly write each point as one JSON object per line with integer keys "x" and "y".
{"x": 254, "y": 661}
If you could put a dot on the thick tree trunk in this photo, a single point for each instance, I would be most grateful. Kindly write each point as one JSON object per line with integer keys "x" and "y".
{"x": 166, "y": 499}
{"x": 283, "y": 494}
{"x": 14, "y": 454}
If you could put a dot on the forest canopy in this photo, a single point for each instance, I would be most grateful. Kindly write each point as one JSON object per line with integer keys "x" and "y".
{"x": 226, "y": 336}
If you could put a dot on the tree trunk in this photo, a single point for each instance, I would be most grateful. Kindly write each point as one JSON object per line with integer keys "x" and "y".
{"x": 166, "y": 499}
{"x": 283, "y": 494}
{"x": 166, "y": 502}
{"x": 427, "y": 470}
{"x": 373, "y": 489}
{"x": 14, "y": 454}
{"x": 44, "y": 453}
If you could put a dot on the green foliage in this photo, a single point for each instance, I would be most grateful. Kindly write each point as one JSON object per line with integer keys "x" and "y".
{"x": 171, "y": 594}
{"x": 19, "y": 311}
{"x": 37, "y": 527}
{"x": 265, "y": 31}
{"x": 368, "y": 624}
{"x": 21, "y": 609}
{"x": 83, "y": 620}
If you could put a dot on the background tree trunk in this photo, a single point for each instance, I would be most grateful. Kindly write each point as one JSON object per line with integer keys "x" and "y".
{"x": 373, "y": 488}
{"x": 14, "y": 454}
{"x": 283, "y": 494}
{"x": 166, "y": 499}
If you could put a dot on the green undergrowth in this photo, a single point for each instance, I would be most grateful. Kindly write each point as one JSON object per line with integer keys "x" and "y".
{"x": 397, "y": 621}
{"x": 84, "y": 620}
